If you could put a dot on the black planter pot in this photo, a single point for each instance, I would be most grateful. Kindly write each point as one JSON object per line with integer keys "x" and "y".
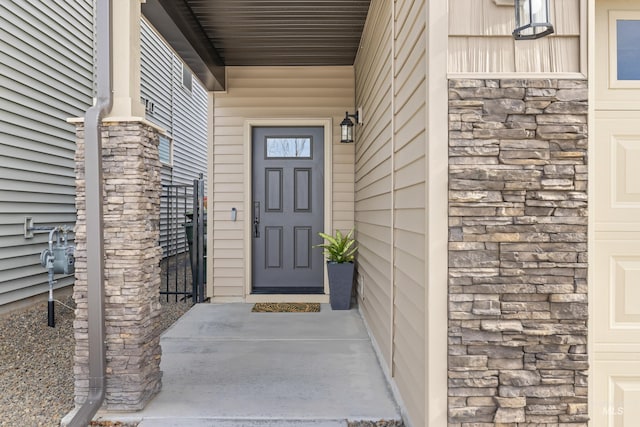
{"x": 340, "y": 284}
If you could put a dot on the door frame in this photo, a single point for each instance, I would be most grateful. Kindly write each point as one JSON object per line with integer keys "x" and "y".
{"x": 249, "y": 124}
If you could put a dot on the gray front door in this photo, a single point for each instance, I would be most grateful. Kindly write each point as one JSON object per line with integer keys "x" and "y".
{"x": 287, "y": 209}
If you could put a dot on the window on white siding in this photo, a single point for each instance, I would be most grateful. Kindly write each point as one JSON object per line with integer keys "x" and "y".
{"x": 187, "y": 78}
{"x": 165, "y": 150}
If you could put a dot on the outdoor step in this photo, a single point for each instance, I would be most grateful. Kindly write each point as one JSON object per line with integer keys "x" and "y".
{"x": 204, "y": 422}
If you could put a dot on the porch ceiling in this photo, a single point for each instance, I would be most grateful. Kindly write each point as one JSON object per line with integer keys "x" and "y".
{"x": 211, "y": 34}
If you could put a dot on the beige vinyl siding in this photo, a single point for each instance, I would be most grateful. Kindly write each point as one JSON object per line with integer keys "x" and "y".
{"x": 271, "y": 92}
{"x": 480, "y": 39}
{"x": 46, "y": 52}
{"x": 390, "y": 191}
{"x": 373, "y": 173}
{"x": 409, "y": 199}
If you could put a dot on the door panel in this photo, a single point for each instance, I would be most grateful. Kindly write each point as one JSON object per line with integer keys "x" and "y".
{"x": 273, "y": 247}
{"x": 615, "y": 257}
{"x": 302, "y": 190}
{"x": 273, "y": 189}
{"x": 302, "y": 247}
{"x": 288, "y": 199}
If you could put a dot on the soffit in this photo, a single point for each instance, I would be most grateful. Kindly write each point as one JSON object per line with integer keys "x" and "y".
{"x": 261, "y": 32}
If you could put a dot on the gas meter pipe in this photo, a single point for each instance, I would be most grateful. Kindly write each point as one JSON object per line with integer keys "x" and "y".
{"x": 51, "y": 316}
{"x": 47, "y": 262}
{"x": 59, "y": 258}
{"x": 95, "y": 241}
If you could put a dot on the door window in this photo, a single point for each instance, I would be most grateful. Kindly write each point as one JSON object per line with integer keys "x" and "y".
{"x": 288, "y": 147}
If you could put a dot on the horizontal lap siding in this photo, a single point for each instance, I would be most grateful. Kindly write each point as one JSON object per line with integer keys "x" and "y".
{"x": 410, "y": 208}
{"x": 189, "y": 128}
{"x": 155, "y": 81}
{"x": 156, "y": 62}
{"x": 271, "y": 92}
{"x": 189, "y": 133}
{"x": 46, "y": 75}
{"x": 183, "y": 116}
{"x": 391, "y": 189}
{"x": 373, "y": 174}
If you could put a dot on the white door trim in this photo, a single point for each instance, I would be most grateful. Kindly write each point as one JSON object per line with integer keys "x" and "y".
{"x": 249, "y": 124}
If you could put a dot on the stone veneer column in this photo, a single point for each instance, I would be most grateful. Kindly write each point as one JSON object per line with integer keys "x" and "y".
{"x": 132, "y": 272}
{"x": 517, "y": 252}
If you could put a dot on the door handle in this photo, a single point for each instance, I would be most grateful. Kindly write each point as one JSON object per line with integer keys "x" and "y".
{"x": 256, "y": 219}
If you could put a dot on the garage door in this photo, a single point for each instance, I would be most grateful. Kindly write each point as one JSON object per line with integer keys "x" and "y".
{"x": 615, "y": 260}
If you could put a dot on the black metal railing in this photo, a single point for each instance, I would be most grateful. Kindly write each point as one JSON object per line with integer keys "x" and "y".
{"x": 183, "y": 240}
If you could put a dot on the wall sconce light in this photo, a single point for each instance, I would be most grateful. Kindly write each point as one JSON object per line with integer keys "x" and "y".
{"x": 532, "y": 19}
{"x": 346, "y": 127}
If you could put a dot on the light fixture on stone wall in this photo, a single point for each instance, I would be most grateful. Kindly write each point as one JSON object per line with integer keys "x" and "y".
{"x": 532, "y": 19}
{"x": 346, "y": 127}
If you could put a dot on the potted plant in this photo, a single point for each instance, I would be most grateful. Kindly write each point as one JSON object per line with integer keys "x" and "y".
{"x": 339, "y": 250}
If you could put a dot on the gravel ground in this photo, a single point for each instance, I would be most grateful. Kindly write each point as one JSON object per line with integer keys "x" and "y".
{"x": 36, "y": 363}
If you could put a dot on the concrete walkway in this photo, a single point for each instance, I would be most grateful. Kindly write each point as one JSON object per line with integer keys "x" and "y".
{"x": 225, "y": 366}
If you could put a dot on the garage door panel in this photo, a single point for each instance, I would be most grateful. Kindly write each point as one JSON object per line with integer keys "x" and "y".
{"x": 625, "y": 159}
{"x": 617, "y": 290}
{"x": 617, "y": 156}
{"x": 616, "y": 394}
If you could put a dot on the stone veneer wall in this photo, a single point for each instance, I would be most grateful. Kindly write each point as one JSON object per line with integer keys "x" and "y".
{"x": 132, "y": 266}
{"x": 517, "y": 252}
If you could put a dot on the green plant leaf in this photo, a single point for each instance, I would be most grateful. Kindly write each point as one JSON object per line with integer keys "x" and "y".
{"x": 339, "y": 248}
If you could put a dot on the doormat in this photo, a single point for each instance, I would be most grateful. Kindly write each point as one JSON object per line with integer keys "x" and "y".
{"x": 285, "y": 307}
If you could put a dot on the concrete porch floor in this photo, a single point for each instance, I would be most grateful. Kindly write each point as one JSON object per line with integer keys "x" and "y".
{"x": 226, "y": 366}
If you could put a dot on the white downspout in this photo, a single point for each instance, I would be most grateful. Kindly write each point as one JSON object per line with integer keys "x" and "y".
{"x": 94, "y": 217}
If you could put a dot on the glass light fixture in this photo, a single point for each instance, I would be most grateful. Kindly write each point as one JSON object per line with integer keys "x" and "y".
{"x": 532, "y": 19}
{"x": 346, "y": 127}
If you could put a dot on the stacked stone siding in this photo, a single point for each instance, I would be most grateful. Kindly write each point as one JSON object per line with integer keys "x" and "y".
{"x": 132, "y": 266}
{"x": 517, "y": 252}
